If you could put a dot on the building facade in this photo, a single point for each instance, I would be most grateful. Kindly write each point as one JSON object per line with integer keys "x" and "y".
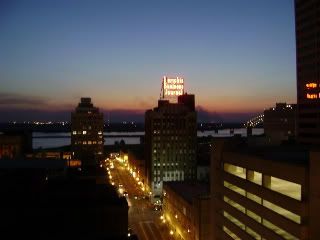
{"x": 15, "y": 144}
{"x": 87, "y": 139}
{"x": 170, "y": 142}
{"x": 185, "y": 210}
{"x": 280, "y": 122}
{"x": 264, "y": 193}
{"x": 307, "y": 16}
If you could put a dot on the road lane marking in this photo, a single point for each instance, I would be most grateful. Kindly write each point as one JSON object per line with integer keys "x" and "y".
{"x": 143, "y": 231}
{"x": 155, "y": 229}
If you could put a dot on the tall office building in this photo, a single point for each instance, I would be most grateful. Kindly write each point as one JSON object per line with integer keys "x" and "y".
{"x": 308, "y": 70}
{"x": 87, "y": 133}
{"x": 170, "y": 136}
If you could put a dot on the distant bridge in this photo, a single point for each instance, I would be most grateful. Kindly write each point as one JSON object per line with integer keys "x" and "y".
{"x": 255, "y": 121}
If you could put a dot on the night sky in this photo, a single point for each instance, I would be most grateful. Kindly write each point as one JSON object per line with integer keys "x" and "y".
{"x": 237, "y": 57}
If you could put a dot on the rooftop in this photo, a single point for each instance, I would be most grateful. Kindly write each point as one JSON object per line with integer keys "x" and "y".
{"x": 287, "y": 153}
{"x": 188, "y": 190}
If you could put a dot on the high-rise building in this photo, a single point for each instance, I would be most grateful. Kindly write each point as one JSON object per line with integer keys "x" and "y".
{"x": 170, "y": 140}
{"x": 308, "y": 70}
{"x": 264, "y": 192}
{"x": 87, "y": 133}
{"x": 280, "y": 123}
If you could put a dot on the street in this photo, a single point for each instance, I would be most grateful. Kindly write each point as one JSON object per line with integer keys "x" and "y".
{"x": 143, "y": 219}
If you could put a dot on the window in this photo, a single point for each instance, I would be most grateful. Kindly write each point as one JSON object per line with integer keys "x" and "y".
{"x": 234, "y": 188}
{"x": 234, "y": 204}
{"x": 254, "y": 216}
{"x": 235, "y": 170}
{"x": 84, "y": 132}
{"x": 231, "y": 234}
{"x": 254, "y": 197}
{"x": 278, "y": 230}
{"x": 290, "y": 215}
{"x": 287, "y": 188}
{"x": 254, "y": 177}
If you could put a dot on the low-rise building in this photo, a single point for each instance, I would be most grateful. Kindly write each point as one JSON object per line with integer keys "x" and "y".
{"x": 40, "y": 199}
{"x": 186, "y": 209}
{"x": 15, "y": 144}
{"x": 264, "y": 192}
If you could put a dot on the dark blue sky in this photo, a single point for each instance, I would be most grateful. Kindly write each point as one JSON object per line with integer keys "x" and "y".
{"x": 236, "y": 56}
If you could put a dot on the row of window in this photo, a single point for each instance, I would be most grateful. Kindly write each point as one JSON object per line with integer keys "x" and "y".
{"x": 88, "y": 142}
{"x": 177, "y": 151}
{"x": 251, "y": 232}
{"x": 273, "y": 207}
{"x": 84, "y": 132}
{"x": 282, "y": 186}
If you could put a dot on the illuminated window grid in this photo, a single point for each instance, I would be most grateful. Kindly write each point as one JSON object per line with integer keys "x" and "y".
{"x": 277, "y": 209}
{"x": 281, "y": 186}
{"x": 231, "y": 234}
{"x": 256, "y": 217}
{"x": 241, "y": 225}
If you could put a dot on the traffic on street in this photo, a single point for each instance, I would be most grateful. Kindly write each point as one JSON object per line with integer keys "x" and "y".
{"x": 145, "y": 219}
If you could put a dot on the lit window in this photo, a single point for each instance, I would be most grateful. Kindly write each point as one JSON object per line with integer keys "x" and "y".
{"x": 278, "y": 230}
{"x": 84, "y": 142}
{"x": 74, "y": 132}
{"x": 290, "y": 215}
{"x": 254, "y": 177}
{"x": 231, "y": 234}
{"x": 235, "y": 170}
{"x": 89, "y": 142}
{"x": 284, "y": 187}
{"x": 84, "y": 132}
{"x": 99, "y": 132}
{"x": 234, "y": 188}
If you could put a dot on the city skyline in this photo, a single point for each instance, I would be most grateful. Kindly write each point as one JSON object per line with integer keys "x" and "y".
{"x": 237, "y": 58}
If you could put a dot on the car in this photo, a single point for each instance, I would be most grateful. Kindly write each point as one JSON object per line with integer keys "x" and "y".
{"x": 125, "y": 193}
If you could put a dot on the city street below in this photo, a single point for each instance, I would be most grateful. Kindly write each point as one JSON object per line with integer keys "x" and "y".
{"x": 144, "y": 220}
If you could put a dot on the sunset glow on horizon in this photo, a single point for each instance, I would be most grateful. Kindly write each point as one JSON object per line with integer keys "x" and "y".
{"x": 234, "y": 58}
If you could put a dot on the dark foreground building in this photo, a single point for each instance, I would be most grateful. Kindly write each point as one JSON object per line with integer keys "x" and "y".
{"x": 308, "y": 70}
{"x": 15, "y": 144}
{"x": 87, "y": 133}
{"x": 46, "y": 202}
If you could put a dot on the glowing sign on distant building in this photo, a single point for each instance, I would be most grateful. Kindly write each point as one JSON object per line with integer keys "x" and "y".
{"x": 311, "y": 85}
{"x": 173, "y": 86}
{"x": 312, "y": 96}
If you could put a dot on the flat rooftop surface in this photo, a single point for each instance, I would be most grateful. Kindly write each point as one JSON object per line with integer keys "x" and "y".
{"x": 188, "y": 190}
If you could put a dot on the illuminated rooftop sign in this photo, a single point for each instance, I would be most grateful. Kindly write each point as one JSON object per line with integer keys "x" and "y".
{"x": 173, "y": 86}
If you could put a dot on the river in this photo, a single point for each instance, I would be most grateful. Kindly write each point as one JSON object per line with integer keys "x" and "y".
{"x": 52, "y": 140}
